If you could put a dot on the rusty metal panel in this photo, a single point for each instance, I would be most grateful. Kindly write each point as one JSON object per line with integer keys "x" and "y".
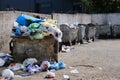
{"x": 44, "y": 49}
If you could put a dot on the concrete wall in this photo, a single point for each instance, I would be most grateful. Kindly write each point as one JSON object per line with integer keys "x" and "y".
{"x": 72, "y": 18}
{"x": 100, "y": 19}
{"x": 86, "y": 18}
{"x": 6, "y": 22}
{"x": 114, "y": 18}
{"x": 103, "y": 19}
{"x": 63, "y": 18}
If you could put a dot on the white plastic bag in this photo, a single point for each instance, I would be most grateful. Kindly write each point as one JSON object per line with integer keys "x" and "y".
{"x": 45, "y": 65}
{"x": 15, "y": 24}
{"x": 2, "y": 62}
{"x": 56, "y": 32}
{"x": 28, "y": 61}
{"x": 7, "y": 74}
{"x": 16, "y": 66}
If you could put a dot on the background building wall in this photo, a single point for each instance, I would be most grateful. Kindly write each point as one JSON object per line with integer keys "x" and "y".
{"x": 99, "y": 19}
{"x": 114, "y": 18}
{"x": 72, "y": 18}
{"x": 20, "y": 5}
{"x": 42, "y": 6}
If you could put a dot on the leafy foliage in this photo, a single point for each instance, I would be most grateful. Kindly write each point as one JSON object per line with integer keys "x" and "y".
{"x": 102, "y": 6}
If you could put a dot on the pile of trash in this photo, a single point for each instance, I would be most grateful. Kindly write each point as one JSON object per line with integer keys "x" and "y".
{"x": 36, "y": 28}
{"x": 5, "y": 59}
{"x": 30, "y": 65}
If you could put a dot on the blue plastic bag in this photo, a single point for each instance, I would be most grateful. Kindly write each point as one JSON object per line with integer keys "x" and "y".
{"x": 18, "y": 32}
{"x": 61, "y": 65}
{"x": 54, "y": 65}
{"x": 25, "y": 74}
{"x": 25, "y": 20}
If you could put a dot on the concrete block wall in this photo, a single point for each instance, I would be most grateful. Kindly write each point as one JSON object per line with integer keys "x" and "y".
{"x": 63, "y": 18}
{"x": 105, "y": 19}
{"x": 72, "y": 18}
{"x": 100, "y": 19}
{"x": 78, "y": 18}
{"x": 6, "y": 23}
{"x": 17, "y": 13}
{"x": 86, "y": 18}
{"x": 114, "y": 18}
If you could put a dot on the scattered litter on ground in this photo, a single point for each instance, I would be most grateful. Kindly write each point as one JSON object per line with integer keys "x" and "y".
{"x": 100, "y": 68}
{"x": 74, "y": 71}
{"x": 61, "y": 65}
{"x": 33, "y": 69}
{"x": 50, "y": 75}
{"x": 25, "y": 74}
{"x": 2, "y": 62}
{"x": 78, "y": 44}
{"x": 45, "y": 65}
{"x": 66, "y": 77}
{"x": 52, "y": 70}
{"x": 70, "y": 67}
{"x": 5, "y": 59}
{"x": 90, "y": 41}
{"x": 55, "y": 66}
{"x": 7, "y": 74}
{"x": 28, "y": 61}
{"x": 16, "y": 66}
{"x": 18, "y": 76}
{"x": 65, "y": 48}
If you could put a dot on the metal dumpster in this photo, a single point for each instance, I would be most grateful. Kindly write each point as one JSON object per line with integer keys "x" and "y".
{"x": 90, "y": 31}
{"x": 104, "y": 31}
{"x": 69, "y": 34}
{"x": 81, "y": 33}
{"x": 116, "y": 31}
{"x": 44, "y": 49}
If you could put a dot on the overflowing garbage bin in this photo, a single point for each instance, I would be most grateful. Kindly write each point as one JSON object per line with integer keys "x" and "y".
{"x": 90, "y": 32}
{"x": 69, "y": 34}
{"x": 35, "y": 38}
{"x": 81, "y": 33}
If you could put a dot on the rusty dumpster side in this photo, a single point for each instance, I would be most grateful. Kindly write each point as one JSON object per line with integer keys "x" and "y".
{"x": 44, "y": 49}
